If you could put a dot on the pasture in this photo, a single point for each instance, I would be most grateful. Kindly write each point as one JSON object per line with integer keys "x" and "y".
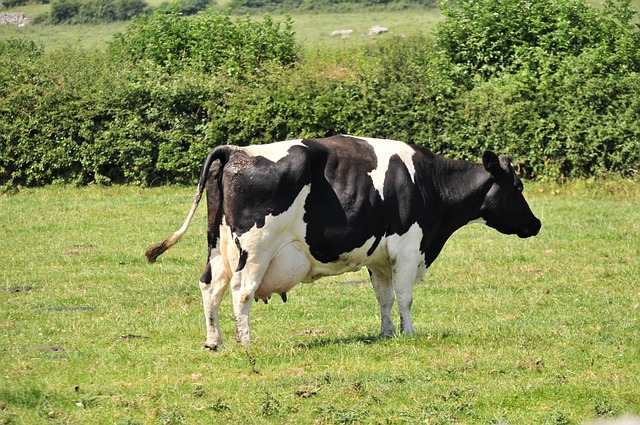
{"x": 542, "y": 330}
{"x": 312, "y": 30}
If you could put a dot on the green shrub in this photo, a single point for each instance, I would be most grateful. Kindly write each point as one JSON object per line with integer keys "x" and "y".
{"x": 484, "y": 38}
{"x": 210, "y": 42}
{"x": 324, "y": 5}
{"x": 86, "y": 11}
{"x": 12, "y": 3}
{"x": 187, "y": 7}
{"x": 64, "y": 10}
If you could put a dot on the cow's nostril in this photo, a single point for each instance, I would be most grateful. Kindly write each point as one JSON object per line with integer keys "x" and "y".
{"x": 535, "y": 228}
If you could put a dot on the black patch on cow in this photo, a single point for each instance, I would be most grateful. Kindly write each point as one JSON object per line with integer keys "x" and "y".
{"x": 343, "y": 209}
{"x": 452, "y": 193}
{"x": 242, "y": 257}
{"x": 375, "y": 245}
{"x": 214, "y": 198}
{"x": 256, "y": 187}
{"x": 206, "y": 274}
{"x": 404, "y": 203}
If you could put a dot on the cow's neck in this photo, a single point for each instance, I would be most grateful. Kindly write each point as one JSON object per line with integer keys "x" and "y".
{"x": 460, "y": 189}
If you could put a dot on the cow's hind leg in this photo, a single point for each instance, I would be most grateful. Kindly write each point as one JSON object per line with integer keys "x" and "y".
{"x": 244, "y": 284}
{"x": 213, "y": 284}
{"x": 383, "y": 288}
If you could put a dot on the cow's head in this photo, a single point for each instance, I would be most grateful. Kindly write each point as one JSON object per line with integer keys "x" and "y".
{"x": 504, "y": 207}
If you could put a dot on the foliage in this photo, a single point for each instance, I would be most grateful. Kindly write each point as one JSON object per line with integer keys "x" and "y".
{"x": 89, "y": 117}
{"x": 555, "y": 85}
{"x": 12, "y": 3}
{"x": 187, "y": 7}
{"x": 83, "y": 11}
{"x": 64, "y": 10}
{"x": 324, "y": 5}
{"x": 209, "y": 42}
{"x": 172, "y": 87}
{"x": 101, "y": 124}
{"x": 487, "y": 37}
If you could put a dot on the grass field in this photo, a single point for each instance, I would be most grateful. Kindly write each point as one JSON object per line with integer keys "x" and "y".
{"x": 543, "y": 330}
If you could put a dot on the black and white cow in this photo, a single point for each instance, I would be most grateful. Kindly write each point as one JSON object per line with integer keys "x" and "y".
{"x": 294, "y": 211}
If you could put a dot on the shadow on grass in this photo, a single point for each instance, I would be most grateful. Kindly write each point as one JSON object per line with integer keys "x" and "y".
{"x": 358, "y": 339}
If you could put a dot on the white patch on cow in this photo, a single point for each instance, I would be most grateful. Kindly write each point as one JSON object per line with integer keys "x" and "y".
{"x": 272, "y": 151}
{"x": 384, "y": 150}
{"x": 405, "y": 255}
{"x": 408, "y": 268}
{"x": 278, "y": 245}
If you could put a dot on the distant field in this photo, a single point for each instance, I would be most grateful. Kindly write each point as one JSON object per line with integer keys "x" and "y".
{"x": 311, "y": 29}
{"x": 537, "y": 331}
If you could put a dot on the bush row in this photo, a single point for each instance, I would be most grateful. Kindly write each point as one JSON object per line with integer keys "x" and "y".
{"x": 85, "y": 11}
{"x": 325, "y": 5}
{"x": 148, "y": 110}
{"x": 93, "y": 11}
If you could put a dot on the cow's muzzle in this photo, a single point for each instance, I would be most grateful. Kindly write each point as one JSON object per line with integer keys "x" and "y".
{"x": 532, "y": 230}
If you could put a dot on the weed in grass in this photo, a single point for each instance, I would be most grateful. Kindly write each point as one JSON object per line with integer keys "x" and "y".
{"x": 198, "y": 391}
{"x": 219, "y": 406}
{"x": 30, "y": 397}
{"x": 604, "y": 407}
{"x": 128, "y": 421}
{"x": 270, "y": 406}
{"x": 331, "y": 415}
{"x": 171, "y": 417}
{"x": 557, "y": 418}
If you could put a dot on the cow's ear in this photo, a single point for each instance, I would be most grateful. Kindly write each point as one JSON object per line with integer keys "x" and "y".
{"x": 491, "y": 163}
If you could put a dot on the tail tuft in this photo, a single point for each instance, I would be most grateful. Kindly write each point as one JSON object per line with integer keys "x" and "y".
{"x": 154, "y": 251}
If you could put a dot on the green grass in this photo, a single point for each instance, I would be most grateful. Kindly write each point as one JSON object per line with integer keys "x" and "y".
{"x": 543, "y": 330}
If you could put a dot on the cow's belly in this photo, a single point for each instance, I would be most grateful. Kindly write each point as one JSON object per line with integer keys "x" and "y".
{"x": 294, "y": 264}
{"x": 288, "y": 267}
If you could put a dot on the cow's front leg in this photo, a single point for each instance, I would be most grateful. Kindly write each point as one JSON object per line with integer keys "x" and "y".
{"x": 213, "y": 284}
{"x": 405, "y": 275}
{"x": 384, "y": 294}
{"x": 405, "y": 299}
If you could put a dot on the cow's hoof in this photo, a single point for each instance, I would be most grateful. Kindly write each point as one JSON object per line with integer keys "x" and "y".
{"x": 212, "y": 346}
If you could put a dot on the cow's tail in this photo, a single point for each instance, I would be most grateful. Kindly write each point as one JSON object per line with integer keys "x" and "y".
{"x": 220, "y": 153}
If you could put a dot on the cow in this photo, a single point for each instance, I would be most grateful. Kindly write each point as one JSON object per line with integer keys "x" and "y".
{"x": 294, "y": 211}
